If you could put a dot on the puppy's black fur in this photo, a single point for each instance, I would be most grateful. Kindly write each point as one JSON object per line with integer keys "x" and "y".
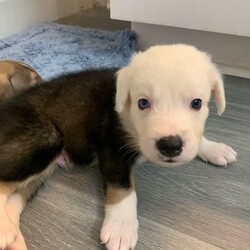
{"x": 74, "y": 113}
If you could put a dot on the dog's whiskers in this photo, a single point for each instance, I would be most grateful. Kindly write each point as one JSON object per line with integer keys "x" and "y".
{"x": 128, "y": 149}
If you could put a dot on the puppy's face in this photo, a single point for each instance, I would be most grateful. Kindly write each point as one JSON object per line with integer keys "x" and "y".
{"x": 162, "y": 97}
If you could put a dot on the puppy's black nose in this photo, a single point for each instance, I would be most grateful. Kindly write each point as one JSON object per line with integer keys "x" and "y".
{"x": 170, "y": 146}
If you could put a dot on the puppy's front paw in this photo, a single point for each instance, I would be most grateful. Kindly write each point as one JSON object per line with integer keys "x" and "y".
{"x": 19, "y": 243}
{"x": 216, "y": 153}
{"x": 119, "y": 233}
{"x": 8, "y": 232}
{"x": 120, "y": 226}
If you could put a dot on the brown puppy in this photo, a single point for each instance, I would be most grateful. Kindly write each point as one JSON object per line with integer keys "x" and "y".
{"x": 15, "y": 76}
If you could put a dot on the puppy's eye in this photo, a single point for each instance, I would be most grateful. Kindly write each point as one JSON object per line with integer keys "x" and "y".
{"x": 196, "y": 104}
{"x": 143, "y": 104}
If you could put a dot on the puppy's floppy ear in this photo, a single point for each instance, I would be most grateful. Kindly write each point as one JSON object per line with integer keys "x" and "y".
{"x": 122, "y": 89}
{"x": 218, "y": 90}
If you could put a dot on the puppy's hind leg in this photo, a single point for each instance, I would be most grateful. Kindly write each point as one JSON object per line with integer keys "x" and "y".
{"x": 216, "y": 153}
{"x": 17, "y": 201}
{"x": 26, "y": 150}
{"x": 8, "y": 230}
{"x": 15, "y": 205}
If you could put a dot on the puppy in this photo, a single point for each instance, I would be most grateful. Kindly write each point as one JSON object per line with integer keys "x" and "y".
{"x": 155, "y": 109}
{"x": 15, "y": 76}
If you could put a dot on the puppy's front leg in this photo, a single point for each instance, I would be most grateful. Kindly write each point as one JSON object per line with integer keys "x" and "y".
{"x": 216, "y": 153}
{"x": 120, "y": 226}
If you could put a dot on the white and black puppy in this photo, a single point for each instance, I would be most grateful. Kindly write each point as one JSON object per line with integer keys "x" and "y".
{"x": 156, "y": 109}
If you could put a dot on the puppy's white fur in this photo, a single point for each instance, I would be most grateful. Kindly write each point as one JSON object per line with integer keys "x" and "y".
{"x": 170, "y": 77}
{"x": 216, "y": 153}
{"x": 120, "y": 226}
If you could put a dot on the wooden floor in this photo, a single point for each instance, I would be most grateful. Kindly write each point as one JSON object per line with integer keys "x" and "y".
{"x": 196, "y": 206}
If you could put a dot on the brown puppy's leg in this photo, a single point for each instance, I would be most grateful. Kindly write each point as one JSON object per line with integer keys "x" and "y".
{"x": 8, "y": 230}
{"x": 15, "y": 205}
{"x": 17, "y": 201}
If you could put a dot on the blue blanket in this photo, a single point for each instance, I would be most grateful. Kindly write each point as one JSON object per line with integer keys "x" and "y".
{"x": 54, "y": 49}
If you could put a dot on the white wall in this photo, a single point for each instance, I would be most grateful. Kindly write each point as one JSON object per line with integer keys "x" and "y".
{"x": 223, "y": 16}
{"x": 231, "y": 53}
{"x": 222, "y": 28}
{"x": 18, "y": 15}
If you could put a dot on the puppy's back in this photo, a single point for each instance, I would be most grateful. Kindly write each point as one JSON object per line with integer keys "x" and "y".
{"x": 37, "y": 123}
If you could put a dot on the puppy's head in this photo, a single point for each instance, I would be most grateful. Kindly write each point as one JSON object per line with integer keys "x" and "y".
{"x": 15, "y": 76}
{"x": 162, "y": 97}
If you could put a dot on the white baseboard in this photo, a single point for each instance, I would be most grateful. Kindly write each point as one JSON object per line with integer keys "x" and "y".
{"x": 231, "y": 53}
{"x": 234, "y": 71}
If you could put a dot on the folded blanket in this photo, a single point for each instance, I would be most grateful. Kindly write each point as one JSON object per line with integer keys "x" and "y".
{"x": 54, "y": 49}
